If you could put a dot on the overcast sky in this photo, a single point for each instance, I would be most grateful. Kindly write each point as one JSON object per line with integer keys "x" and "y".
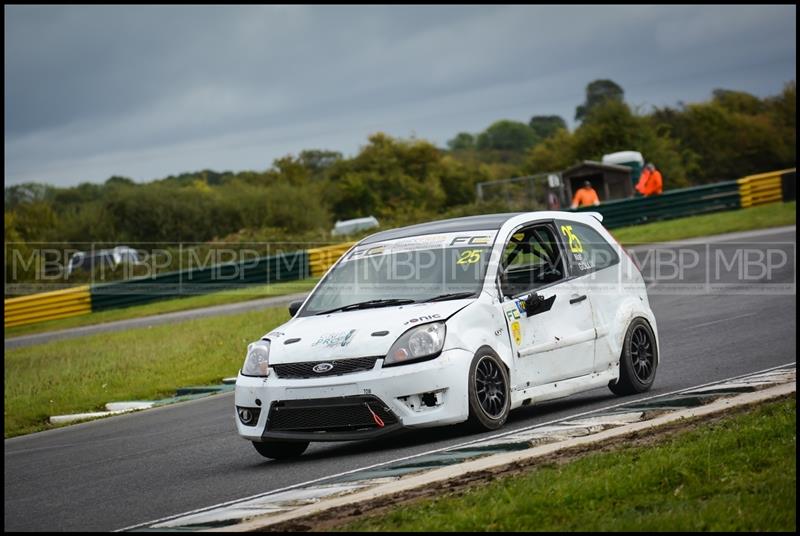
{"x": 150, "y": 91}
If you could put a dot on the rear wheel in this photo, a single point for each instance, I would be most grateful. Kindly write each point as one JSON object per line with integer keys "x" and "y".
{"x": 638, "y": 361}
{"x": 489, "y": 394}
{"x": 281, "y": 450}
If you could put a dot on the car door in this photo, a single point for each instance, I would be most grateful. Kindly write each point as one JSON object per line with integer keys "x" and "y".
{"x": 595, "y": 264}
{"x": 557, "y": 341}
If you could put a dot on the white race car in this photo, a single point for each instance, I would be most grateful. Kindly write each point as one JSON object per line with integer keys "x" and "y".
{"x": 450, "y": 321}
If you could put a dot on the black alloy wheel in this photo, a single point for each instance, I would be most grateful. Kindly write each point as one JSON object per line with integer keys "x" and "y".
{"x": 642, "y": 356}
{"x": 638, "y": 360}
{"x": 490, "y": 387}
{"x": 489, "y": 391}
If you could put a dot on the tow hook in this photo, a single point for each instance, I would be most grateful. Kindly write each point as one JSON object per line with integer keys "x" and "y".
{"x": 375, "y": 417}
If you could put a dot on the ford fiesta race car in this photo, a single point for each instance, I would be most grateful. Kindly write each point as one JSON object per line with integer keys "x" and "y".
{"x": 450, "y": 321}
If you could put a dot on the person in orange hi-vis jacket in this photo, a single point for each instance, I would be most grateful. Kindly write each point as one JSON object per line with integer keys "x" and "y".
{"x": 650, "y": 183}
{"x": 585, "y": 196}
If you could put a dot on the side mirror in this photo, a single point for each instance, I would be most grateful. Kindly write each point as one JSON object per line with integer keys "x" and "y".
{"x": 535, "y": 304}
{"x": 294, "y": 307}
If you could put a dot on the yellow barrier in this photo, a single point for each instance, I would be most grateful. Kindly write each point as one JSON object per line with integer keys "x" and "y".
{"x": 320, "y": 259}
{"x": 47, "y": 306}
{"x": 762, "y": 188}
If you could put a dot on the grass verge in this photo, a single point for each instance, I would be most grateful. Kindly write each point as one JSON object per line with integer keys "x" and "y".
{"x": 737, "y": 473}
{"x": 85, "y": 373}
{"x": 168, "y": 306}
{"x": 746, "y": 219}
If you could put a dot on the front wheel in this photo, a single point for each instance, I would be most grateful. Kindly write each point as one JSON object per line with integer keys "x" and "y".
{"x": 489, "y": 393}
{"x": 638, "y": 361}
{"x": 281, "y": 450}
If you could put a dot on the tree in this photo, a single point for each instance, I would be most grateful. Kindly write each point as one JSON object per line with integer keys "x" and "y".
{"x": 545, "y": 126}
{"x": 26, "y": 193}
{"x": 119, "y": 181}
{"x": 317, "y": 160}
{"x": 389, "y": 178}
{"x": 609, "y": 127}
{"x": 505, "y": 135}
{"x": 738, "y": 101}
{"x": 555, "y": 153}
{"x": 598, "y": 92}
{"x": 464, "y": 141}
{"x": 734, "y": 134}
{"x": 290, "y": 170}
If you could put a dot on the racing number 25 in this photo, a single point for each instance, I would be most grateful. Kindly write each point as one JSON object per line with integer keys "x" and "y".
{"x": 470, "y": 256}
{"x": 575, "y": 245}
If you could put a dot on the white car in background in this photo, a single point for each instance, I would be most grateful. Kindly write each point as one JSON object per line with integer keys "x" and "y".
{"x": 107, "y": 259}
{"x": 450, "y": 321}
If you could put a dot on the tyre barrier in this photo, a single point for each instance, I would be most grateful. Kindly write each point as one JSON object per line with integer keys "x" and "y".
{"x": 320, "y": 259}
{"x": 767, "y": 187}
{"x": 47, "y": 306}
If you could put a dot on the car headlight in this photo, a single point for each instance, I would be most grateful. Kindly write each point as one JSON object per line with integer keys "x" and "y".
{"x": 416, "y": 344}
{"x": 257, "y": 360}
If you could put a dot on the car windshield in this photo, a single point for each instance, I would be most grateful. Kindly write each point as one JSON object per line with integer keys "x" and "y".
{"x": 393, "y": 273}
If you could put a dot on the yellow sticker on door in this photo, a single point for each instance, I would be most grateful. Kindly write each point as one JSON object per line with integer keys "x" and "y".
{"x": 515, "y": 330}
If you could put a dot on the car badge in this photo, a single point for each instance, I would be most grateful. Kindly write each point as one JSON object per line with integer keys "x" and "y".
{"x": 322, "y": 368}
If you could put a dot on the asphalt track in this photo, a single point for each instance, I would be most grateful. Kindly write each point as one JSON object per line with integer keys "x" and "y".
{"x": 715, "y": 322}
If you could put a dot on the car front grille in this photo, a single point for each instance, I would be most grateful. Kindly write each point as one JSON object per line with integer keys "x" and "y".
{"x": 345, "y": 414}
{"x": 340, "y": 367}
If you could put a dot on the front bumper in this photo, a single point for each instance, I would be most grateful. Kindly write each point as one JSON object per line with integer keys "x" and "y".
{"x": 429, "y": 393}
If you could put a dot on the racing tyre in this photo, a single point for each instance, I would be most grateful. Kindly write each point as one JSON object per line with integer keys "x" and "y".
{"x": 489, "y": 392}
{"x": 638, "y": 361}
{"x": 281, "y": 450}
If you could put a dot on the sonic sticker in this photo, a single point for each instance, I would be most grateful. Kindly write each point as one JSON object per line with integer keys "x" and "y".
{"x": 515, "y": 330}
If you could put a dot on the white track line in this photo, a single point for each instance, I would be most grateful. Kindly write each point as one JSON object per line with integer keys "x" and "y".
{"x": 435, "y": 451}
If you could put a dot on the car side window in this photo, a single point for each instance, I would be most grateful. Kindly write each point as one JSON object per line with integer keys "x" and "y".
{"x": 587, "y": 251}
{"x": 531, "y": 259}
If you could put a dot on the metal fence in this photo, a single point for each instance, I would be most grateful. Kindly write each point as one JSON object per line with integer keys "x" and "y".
{"x": 543, "y": 191}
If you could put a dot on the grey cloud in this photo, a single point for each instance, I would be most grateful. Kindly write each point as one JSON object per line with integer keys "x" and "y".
{"x": 89, "y": 88}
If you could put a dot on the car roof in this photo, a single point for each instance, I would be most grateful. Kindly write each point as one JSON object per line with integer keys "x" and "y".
{"x": 483, "y": 222}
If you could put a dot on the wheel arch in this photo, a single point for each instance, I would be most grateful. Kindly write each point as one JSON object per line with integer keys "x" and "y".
{"x": 627, "y": 312}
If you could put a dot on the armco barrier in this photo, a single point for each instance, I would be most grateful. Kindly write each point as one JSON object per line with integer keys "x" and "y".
{"x": 261, "y": 271}
{"x": 671, "y": 204}
{"x": 320, "y": 259}
{"x": 764, "y": 187}
{"x": 47, "y": 306}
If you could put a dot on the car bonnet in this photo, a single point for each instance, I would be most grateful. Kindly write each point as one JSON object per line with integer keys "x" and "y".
{"x": 360, "y": 333}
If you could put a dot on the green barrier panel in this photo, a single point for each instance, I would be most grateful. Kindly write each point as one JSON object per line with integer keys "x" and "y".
{"x": 671, "y": 204}
{"x": 229, "y": 276}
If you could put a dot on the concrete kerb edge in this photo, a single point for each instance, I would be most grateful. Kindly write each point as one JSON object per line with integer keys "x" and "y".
{"x": 505, "y": 459}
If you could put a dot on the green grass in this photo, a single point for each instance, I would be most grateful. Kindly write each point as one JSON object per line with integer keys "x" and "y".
{"x": 737, "y": 474}
{"x": 167, "y": 306}
{"x": 761, "y": 217}
{"x": 85, "y": 373}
